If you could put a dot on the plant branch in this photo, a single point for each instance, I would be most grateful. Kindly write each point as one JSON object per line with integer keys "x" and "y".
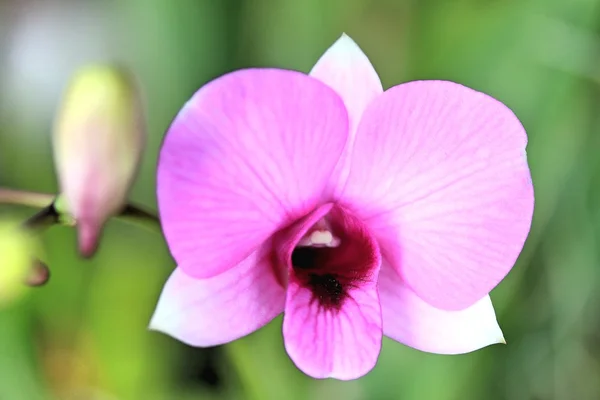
{"x": 140, "y": 217}
{"x": 25, "y": 198}
{"x": 51, "y": 214}
{"x": 44, "y": 218}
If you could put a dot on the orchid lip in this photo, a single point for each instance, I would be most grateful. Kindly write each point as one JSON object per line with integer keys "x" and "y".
{"x": 329, "y": 289}
{"x": 331, "y": 259}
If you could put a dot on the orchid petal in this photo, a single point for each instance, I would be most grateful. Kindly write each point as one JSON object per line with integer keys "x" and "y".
{"x": 439, "y": 174}
{"x": 334, "y": 333}
{"x": 251, "y": 151}
{"x": 213, "y": 311}
{"x": 346, "y": 69}
{"x": 323, "y": 343}
{"x": 413, "y": 322}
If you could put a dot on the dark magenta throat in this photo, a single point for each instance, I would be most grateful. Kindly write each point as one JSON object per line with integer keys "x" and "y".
{"x": 310, "y": 265}
{"x": 331, "y": 273}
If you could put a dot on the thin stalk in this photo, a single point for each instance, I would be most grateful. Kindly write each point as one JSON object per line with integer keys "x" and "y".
{"x": 140, "y": 217}
{"x": 25, "y": 198}
{"x": 241, "y": 358}
{"x": 43, "y": 219}
{"x": 50, "y": 215}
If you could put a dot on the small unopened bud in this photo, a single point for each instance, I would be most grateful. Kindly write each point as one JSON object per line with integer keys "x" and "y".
{"x": 38, "y": 275}
{"x": 16, "y": 247}
{"x": 99, "y": 136}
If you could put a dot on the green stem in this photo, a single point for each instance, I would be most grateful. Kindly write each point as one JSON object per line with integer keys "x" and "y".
{"x": 44, "y": 218}
{"x": 51, "y": 214}
{"x": 25, "y": 198}
{"x": 241, "y": 358}
{"x": 140, "y": 217}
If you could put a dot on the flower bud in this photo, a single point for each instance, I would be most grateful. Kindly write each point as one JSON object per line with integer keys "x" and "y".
{"x": 39, "y": 273}
{"x": 16, "y": 248}
{"x": 99, "y": 138}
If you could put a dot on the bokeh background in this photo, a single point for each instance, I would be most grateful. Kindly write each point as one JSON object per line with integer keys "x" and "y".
{"x": 84, "y": 336}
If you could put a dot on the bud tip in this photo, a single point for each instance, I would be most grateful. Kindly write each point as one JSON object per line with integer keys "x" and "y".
{"x": 38, "y": 275}
{"x": 88, "y": 233}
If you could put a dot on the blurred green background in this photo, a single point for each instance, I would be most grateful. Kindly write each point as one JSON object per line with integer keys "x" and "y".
{"x": 84, "y": 336}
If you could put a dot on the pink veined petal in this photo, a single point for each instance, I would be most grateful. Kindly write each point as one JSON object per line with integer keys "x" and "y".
{"x": 439, "y": 174}
{"x": 213, "y": 311}
{"x": 413, "y": 322}
{"x": 249, "y": 153}
{"x": 329, "y": 344}
{"x": 346, "y": 69}
{"x": 324, "y": 338}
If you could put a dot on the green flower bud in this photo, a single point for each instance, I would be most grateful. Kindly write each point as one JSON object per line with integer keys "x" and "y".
{"x": 99, "y": 138}
{"x": 16, "y": 248}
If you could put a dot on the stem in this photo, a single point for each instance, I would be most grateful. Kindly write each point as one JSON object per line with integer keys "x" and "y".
{"x": 140, "y": 217}
{"x": 44, "y": 218}
{"x": 241, "y": 358}
{"x": 50, "y": 215}
{"x": 25, "y": 198}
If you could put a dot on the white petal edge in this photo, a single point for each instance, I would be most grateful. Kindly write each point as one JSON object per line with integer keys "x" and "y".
{"x": 217, "y": 310}
{"x": 411, "y": 321}
{"x": 346, "y": 69}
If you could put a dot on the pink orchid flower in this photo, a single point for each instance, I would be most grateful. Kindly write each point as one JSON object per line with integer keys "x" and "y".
{"x": 356, "y": 212}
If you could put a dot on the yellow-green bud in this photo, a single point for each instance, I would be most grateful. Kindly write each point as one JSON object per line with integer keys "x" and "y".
{"x": 99, "y": 136}
{"x": 16, "y": 248}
